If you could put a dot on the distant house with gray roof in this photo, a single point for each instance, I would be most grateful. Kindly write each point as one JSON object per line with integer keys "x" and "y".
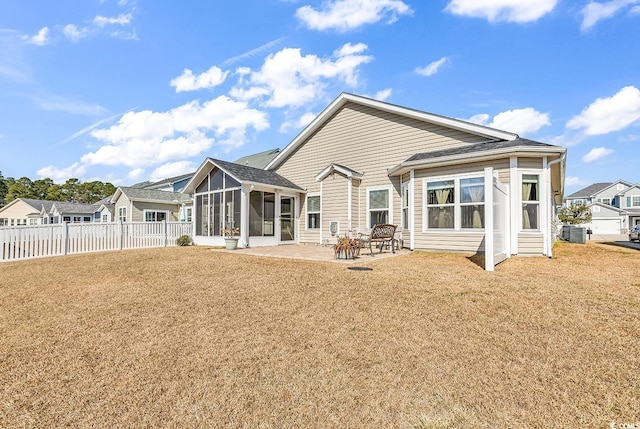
{"x": 258, "y": 160}
{"x": 132, "y": 204}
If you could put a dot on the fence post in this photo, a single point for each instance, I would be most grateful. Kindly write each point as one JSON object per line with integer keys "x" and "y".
{"x": 166, "y": 232}
{"x": 65, "y": 238}
{"x": 120, "y": 234}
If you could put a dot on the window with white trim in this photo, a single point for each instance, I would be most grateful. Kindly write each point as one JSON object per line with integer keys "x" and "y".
{"x": 455, "y": 203}
{"x": 313, "y": 211}
{"x": 378, "y": 206}
{"x": 472, "y": 202}
{"x": 441, "y": 204}
{"x": 405, "y": 205}
{"x": 530, "y": 201}
{"x": 122, "y": 214}
{"x": 155, "y": 215}
{"x": 633, "y": 201}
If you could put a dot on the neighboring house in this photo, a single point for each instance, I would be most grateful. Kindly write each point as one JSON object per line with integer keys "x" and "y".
{"x": 62, "y": 211}
{"x": 171, "y": 184}
{"x": 615, "y": 206}
{"x": 363, "y": 161}
{"x": 149, "y": 205}
{"x": 24, "y": 211}
{"x": 258, "y": 160}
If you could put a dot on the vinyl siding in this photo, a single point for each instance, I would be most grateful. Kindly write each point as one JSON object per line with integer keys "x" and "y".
{"x": 334, "y": 205}
{"x": 367, "y": 141}
{"x": 604, "y": 212}
{"x": 467, "y": 242}
{"x": 530, "y": 244}
{"x": 530, "y": 163}
{"x": 140, "y": 207}
{"x": 19, "y": 210}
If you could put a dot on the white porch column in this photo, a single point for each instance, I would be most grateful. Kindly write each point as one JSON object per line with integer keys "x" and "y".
{"x": 321, "y": 214}
{"x": 412, "y": 223}
{"x": 244, "y": 215}
{"x": 489, "y": 262}
{"x": 515, "y": 205}
{"x": 545, "y": 220}
{"x": 350, "y": 202}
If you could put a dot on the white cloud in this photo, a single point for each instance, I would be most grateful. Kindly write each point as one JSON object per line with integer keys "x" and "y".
{"x": 145, "y": 138}
{"x": 595, "y": 11}
{"x": 289, "y": 79}
{"x": 172, "y": 169}
{"x": 383, "y": 95}
{"x": 122, "y": 19}
{"x": 301, "y": 122}
{"x": 574, "y": 182}
{"x": 253, "y": 52}
{"x": 136, "y": 173}
{"x": 596, "y": 154}
{"x": 502, "y": 10}
{"x": 432, "y": 68}
{"x": 344, "y": 15}
{"x": 73, "y": 33}
{"x": 606, "y": 115}
{"x": 68, "y": 105}
{"x": 60, "y": 175}
{"x": 209, "y": 79}
{"x": 519, "y": 121}
{"x": 41, "y": 38}
{"x": 480, "y": 119}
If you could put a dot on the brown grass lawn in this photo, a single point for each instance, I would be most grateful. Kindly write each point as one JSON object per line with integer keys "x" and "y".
{"x": 191, "y": 337}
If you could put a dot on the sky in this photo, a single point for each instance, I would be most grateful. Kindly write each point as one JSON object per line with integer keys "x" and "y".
{"x": 132, "y": 90}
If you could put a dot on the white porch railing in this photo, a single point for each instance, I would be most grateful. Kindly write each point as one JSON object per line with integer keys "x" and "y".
{"x": 26, "y": 242}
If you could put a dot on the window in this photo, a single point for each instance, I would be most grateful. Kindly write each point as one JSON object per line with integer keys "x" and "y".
{"x": 405, "y": 205}
{"x": 378, "y": 207}
{"x": 530, "y": 201}
{"x": 155, "y": 215}
{"x": 313, "y": 211}
{"x": 633, "y": 201}
{"x": 189, "y": 212}
{"x": 33, "y": 221}
{"x": 472, "y": 202}
{"x": 105, "y": 218}
{"x": 122, "y": 214}
{"x": 441, "y": 204}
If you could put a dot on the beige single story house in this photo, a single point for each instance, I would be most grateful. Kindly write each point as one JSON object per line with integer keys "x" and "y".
{"x": 133, "y": 204}
{"x": 24, "y": 211}
{"x": 449, "y": 185}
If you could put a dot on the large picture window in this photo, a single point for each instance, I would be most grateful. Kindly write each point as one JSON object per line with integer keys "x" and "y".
{"x": 378, "y": 206}
{"x": 530, "y": 201}
{"x": 455, "y": 203}
{"x": 155, "y": 215}
{"x": 313, "y": 212}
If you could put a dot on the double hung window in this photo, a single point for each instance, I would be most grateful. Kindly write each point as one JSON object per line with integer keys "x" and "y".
{"x": 313, "y": 212}
{"x": 530, "y": 201}
{"x": 378, "y": 206}
{"x": 455, "y": 203}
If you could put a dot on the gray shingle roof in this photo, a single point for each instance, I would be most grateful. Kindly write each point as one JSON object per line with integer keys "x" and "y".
{"x": 255, "y": 175}
{"x": 478, "y": 148}
{"x": 590, "y": 190}
{"x": 67, "y": 207}
{"x": 38, "y": 204}
{"x": 138, "y": 194}
{"x": 164, "y": 182}
{"x": 258, "y": 160}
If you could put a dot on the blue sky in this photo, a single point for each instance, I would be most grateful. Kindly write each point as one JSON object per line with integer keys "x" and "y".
{"x": 131, "y": 90}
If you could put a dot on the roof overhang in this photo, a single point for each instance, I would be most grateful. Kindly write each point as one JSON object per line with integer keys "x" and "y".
{"x": 468, "y": 158}
{"x": 209, "y": 164}
{"x": 336, "y": 168}
{"x": 344, "y": 98}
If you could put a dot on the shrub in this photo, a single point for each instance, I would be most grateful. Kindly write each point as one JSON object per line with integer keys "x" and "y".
{"x": 184, "y": 240}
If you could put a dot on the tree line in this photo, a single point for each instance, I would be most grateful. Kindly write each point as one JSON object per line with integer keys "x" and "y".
{"x": 72, "y": 190}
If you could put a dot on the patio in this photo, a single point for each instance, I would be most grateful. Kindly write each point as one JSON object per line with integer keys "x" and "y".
{"x": 313, "y": 252}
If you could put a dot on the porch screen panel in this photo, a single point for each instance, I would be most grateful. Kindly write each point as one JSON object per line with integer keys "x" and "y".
{"x": 255, "y": 213}
{"x": 237, "y": 195}
{"x": 269, "y": 213}
{"x": 216, "y": 208}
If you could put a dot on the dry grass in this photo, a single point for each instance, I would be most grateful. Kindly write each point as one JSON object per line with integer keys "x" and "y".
{"x": 188, "y": 337}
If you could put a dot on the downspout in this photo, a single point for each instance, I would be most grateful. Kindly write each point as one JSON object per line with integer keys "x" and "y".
{"x": 551, "y": 211}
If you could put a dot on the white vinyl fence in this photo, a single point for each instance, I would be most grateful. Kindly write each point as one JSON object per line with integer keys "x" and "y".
{"x": 26, "y": 242}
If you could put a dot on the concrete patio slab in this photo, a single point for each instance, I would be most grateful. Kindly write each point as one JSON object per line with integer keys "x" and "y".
{"x": 314, "y": 253}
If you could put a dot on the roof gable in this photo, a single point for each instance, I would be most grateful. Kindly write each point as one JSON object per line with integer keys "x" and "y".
{"x": 344, "y": 98}
{"x": 241, "y": 173}
{"x": 590, "y": 190}
{"x": 150, "y": 195}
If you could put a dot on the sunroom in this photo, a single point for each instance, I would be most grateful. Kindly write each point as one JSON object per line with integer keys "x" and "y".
{"x": 259, "y": 206}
